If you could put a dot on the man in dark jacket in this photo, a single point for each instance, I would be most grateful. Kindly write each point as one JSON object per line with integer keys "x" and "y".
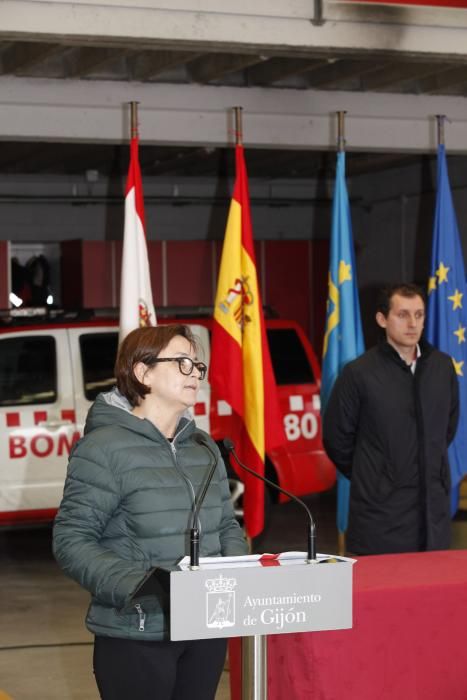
{"x": 388, "y": 423}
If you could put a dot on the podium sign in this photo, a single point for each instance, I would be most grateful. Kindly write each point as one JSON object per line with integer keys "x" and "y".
{"x": 225, "y": 599}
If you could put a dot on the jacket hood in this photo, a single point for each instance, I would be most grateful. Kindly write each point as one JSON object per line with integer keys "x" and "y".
{"x": 112, "y": 408}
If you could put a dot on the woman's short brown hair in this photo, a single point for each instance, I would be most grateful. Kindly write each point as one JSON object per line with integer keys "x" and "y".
{"x": 144, "y": 345}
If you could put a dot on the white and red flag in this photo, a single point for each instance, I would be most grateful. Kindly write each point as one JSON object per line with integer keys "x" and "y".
{"x": 136, "y": 304}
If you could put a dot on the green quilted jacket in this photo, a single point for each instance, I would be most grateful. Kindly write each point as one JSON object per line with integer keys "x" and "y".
{"x": 127, "y": 507}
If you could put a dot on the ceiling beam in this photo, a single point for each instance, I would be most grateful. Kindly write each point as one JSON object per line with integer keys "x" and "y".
{"x": 341, "y": 70}
{"x": 444, "y": 80}
{"x": 21, "y": 57}
{"x": 86, "y": 60}
{"x": 396, "y": 74}
{"x": 279, "y": 68}
{"x": 193, "y": 115}
{"x": 211, "y": 67}
{"x": 240, "y": 27}
{"x": 146, "y": 65}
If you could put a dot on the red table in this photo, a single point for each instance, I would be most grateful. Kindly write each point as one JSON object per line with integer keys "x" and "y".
{"x": 408, "y": 642}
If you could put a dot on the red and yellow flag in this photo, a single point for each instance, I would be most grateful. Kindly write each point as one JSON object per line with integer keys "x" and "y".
{"x": 241, "y": 371}
{"x": 136, "y": 304}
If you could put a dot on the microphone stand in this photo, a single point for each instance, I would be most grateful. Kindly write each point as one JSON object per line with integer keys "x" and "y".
{"x": 311, "y": 533}
{"x": 194, "y": 531}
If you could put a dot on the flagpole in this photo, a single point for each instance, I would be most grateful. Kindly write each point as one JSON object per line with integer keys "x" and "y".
{"x": 341, "y": 544}
{"x": 253, "y": 649}
{"x": 133, "y": 119}
{"x": 238, "y": 112}
{"x": 238, "y": 126}
{"x": 340, "y": 130}
{"x": 136, "y": 301}
{"x": 440, "y": 118}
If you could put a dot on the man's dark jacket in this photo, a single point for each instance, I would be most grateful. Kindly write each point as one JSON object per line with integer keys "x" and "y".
{"x": 388, "y": 430}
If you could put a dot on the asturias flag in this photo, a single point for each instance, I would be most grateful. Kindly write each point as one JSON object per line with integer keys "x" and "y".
{"x": 241, "y": 372}
{"x": 447, "y": 310}
{"x": 343, "y": 339}
{"x": 136, "y": 305}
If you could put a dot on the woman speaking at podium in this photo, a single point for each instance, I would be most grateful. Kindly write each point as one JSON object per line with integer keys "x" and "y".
{"x": 128, "y": 504}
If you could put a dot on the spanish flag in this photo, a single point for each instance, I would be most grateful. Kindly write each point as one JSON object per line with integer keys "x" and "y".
{"x": 241, "y": 372}
{"x": 136, "y": 304}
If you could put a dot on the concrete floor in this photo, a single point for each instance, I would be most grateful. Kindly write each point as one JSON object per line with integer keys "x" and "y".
{"x": 45, "y": 650}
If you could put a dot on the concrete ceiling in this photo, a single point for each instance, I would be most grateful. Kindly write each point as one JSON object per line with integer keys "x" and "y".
{"x": 324, "y": 71}
{"x": 313, "y": 69}
{"x": 360, "y": 66}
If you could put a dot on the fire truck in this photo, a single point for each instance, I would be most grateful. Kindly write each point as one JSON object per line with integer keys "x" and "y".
{"x": 54, "y": 363}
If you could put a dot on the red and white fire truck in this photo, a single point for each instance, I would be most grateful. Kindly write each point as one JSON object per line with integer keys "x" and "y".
{"x": 53, "y": 366}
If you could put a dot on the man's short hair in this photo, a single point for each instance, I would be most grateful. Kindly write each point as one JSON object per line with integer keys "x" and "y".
{"x": 403, "y": 289}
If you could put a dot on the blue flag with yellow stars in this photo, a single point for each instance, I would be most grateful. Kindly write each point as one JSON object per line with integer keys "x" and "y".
{"x": 343, "y": 338}
{"x": 447, "y": 311}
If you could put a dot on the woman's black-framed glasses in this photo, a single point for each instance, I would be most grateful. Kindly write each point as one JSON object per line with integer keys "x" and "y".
{"x": 186, "y": 365}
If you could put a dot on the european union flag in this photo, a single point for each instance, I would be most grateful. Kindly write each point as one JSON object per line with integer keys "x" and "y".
{"x": 343, "y": 338}
{"x": 447, "y": 310}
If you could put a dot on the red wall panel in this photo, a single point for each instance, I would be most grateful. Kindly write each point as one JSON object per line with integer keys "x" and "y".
{"x": 189, "y": 273}
{"x": 287, "y": 280}
{"x": 98, "y": 275}
{"x": 292, "y": 276}
{"x": 87, "y": 274}
{"x": 155, "y": 267}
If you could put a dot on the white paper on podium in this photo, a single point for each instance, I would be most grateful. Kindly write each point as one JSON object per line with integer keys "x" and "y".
{"x": 251, "y": 560}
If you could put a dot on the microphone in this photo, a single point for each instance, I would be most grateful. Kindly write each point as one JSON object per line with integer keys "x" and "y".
{"x": 195, "y": 526}
{"x": 311, "y": 552}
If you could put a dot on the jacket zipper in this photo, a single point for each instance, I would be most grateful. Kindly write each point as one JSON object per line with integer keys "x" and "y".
{"x": 142, "y": 617}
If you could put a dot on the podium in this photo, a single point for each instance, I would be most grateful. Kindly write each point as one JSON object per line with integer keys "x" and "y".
{"x": 255, "y": 596}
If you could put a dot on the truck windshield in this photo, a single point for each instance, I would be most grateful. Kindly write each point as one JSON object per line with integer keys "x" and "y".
{"x": 98, "y": 353}
{"x": 288, "y": 356}
{"x": 28, "y": 370}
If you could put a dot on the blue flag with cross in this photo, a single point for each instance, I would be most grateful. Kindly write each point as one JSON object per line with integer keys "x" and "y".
{"x": 343, "y": 338}
{"x": 447, "y": 310}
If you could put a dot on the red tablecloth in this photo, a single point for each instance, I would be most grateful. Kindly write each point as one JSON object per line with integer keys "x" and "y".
{"x": 408, "y": 641}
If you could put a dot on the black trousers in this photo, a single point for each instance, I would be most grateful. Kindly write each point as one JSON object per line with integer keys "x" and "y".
{"x": 127, "y": 669}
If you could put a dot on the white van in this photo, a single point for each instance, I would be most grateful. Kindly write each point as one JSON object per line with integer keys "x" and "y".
{"x": 53, "y": 366}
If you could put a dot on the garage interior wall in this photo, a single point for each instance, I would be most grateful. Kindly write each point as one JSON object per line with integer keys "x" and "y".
{"x": 292, "y": 276}
{"x": 392, "y": 214}
{"x": 392, "y": 209}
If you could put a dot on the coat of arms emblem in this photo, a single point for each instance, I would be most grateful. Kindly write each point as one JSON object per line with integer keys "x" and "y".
{"x": 220, "y": 602}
